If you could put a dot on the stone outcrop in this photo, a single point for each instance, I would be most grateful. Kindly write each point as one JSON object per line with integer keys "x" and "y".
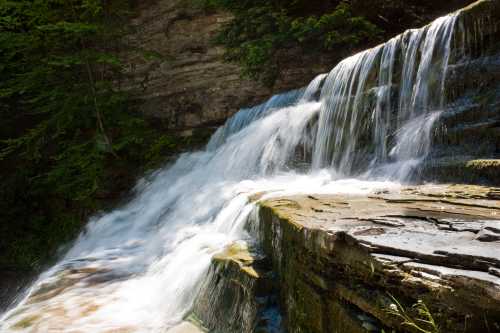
{"x": 464, "y": 169}
{"x": 186, "y": 327}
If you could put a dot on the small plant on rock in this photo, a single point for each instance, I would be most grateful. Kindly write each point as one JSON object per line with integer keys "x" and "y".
{"x": 417, "y": 317}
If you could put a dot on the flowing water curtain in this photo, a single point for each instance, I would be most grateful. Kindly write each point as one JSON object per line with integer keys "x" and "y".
{"x": 416, "y": 119}
{"x": 381, "y": 115}
{"x": 163, "y": 240}
{"x": 290, "y": 149}
{"x": 246, "y": 116}
{"x": 338, "y": 117}
{"x": 365, "y": 119}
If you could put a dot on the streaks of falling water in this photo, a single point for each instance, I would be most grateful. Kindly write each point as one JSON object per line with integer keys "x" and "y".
{"x": 337, "y": 118}
{"x": 413, "y": 135}
{"x": 365, "y": 82}
{"x": 139, "y": 268}
{"x": 381, "y": 114}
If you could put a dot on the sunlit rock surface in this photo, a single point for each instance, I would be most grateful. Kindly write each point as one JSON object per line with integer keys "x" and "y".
{"x": 339, "y": 258}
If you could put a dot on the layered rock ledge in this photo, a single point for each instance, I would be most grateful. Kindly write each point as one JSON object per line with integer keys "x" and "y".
{"x": 341, "y": 261}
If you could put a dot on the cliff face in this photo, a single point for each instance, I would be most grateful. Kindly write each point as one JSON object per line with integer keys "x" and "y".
{"x": 187, "y": 83}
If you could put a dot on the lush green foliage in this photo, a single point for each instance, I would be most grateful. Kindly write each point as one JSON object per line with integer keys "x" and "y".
{"x": 262, "y": 31}
{"x": 68, "y": 138}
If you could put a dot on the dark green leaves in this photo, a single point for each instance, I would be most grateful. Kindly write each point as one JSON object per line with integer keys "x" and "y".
{"x": 262, "y": 29}
{"x": 65, "y": 129}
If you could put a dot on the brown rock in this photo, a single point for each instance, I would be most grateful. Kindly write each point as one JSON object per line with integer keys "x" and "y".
{"x": 188, "y": 84}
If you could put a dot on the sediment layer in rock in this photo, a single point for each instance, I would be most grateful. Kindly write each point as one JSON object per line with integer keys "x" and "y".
{"x": 340, "y": 260}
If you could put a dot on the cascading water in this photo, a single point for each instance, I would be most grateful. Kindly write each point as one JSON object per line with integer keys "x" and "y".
{"x": 139, "y": 268}
{"x": 366, "y": 122}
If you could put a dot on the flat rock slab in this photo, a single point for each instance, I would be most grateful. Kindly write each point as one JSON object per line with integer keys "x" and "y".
{"x": 441, "y": 234}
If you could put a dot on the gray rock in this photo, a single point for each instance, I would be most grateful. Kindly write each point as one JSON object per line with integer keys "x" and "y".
{"x": 432, "y": 243}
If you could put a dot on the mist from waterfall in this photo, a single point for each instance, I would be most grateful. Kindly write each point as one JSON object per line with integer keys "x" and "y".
{"x": 364, "y": 126}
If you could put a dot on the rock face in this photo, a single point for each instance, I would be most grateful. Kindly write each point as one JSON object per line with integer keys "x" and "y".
{"x": 349, "y": 264}
{"x": 238, "y": 294}
{"x": 469, "y": 128}
{"x": 185, "y": 327}
{"x": 188, "y": 84}
{"x": 339, "y": 259}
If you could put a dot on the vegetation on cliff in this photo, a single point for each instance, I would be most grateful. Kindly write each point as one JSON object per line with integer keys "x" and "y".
{"x": 264, "y": 34}
{"x": 262, "y": 28}
{"x": 69, "y": 140}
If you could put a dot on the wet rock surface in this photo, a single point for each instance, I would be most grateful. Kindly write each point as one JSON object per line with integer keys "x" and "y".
{"x": 238, "y": 294}
{"x": 340, "y": 260}
{"x": 466, "y": 141}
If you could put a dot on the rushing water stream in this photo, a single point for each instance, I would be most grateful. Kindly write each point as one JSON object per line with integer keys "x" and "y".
{"x": 139, "y": 267}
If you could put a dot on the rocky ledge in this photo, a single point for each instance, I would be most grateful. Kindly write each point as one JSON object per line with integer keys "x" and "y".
{"x": 365, "y": 264}
{"x": 344, "y": 263}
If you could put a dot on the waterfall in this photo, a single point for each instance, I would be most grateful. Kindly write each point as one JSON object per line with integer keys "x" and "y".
{"x": 366, "y": 121}
{"x": 139, "y": 267}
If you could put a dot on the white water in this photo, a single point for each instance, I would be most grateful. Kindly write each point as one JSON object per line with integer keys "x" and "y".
{"x": 138, "y": 268}
{"x": 360, "y": 97}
